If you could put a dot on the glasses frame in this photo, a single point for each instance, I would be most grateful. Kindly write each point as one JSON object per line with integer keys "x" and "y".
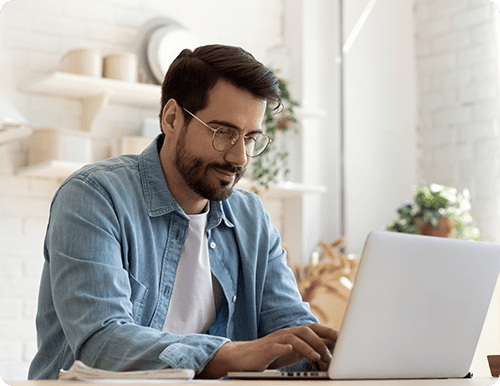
{"x": 215, "y": 131}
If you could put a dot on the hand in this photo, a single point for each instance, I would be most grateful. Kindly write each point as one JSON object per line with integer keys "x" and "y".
{"x": 280, "y": 348}
{"x": 324, "y": 349}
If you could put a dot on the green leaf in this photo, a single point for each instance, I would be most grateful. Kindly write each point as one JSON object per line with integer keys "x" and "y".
{"x": 267, "y": 166}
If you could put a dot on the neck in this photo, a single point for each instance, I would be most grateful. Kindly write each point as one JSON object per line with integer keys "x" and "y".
{"x": 191, "y": 207}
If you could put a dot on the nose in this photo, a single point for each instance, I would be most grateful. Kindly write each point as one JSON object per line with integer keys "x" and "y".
{"x": 237, "y": 154}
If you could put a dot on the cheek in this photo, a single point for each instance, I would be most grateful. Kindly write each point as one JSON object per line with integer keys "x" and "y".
{"x": 200, "y": 145}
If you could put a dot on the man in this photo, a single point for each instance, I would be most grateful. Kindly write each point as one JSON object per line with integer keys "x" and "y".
{"x": 153, "y": 261}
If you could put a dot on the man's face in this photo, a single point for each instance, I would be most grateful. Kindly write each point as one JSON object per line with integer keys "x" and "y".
{"x": 196, "y": 173}
{"x": 209, "y": 173}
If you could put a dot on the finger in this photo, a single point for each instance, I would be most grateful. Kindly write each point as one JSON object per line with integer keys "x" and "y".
{"x": 329, "y": 335}
{"x": 324, "y": 331}
{"x": 316, "y": 342}
{"x": 300, "y": 346}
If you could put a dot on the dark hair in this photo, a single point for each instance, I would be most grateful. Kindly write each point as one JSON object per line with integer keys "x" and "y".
{"x": 193, "y": 73}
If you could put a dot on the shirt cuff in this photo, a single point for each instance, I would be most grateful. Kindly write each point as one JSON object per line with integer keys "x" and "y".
{"x": 194, "y": 351}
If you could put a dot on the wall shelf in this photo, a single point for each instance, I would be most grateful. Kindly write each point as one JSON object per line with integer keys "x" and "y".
{"x": 95, "y": 93}
{"x": 80, "y": 87}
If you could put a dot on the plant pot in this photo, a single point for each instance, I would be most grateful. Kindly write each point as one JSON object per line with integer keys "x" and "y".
{"x": 444, "y": 229}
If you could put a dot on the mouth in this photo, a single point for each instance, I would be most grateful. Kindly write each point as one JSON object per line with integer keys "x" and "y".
{"x": 229, "y": 174}
{"x": 226, "y": 175}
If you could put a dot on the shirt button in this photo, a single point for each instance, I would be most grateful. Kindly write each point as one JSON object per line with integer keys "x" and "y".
{"x": 212, "y": 245}
{"x": 234, "y": 298}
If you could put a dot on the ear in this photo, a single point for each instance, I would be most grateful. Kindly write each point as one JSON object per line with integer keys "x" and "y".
{"x": 172, "y": 117}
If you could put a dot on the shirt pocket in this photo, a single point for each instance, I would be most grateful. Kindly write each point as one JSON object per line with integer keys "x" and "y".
{"x": 137, "y": 298}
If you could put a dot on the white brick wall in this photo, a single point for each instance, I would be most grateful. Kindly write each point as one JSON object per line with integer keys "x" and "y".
{"x": 457, "y": 65}
{"x": 459, "y": 111}
{"x": 34, "y": 34}
{"x": 23, "y": 217}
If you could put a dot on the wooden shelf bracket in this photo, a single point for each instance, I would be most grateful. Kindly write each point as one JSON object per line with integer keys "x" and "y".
{"x": 92, "y": 106}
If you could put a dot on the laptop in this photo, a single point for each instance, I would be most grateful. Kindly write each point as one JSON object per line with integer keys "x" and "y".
{"x": 416, "y": 310}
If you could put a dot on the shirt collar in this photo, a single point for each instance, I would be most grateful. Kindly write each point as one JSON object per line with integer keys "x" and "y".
{"x": 158, "y": 198}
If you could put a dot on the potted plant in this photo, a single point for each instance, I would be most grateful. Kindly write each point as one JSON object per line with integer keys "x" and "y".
{"x": 437, "y": 211}
{"x": 266, "y": 168}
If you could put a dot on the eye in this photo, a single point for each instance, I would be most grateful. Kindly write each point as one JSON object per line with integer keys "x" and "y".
{"x": 251, "y": 139}
{"x": 226, "y": 132}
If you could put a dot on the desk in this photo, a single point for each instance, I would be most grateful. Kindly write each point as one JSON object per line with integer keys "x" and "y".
{"x": 425, "y": 382}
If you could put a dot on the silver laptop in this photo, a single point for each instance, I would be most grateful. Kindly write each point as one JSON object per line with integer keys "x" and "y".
{"x": 416, "y": 310}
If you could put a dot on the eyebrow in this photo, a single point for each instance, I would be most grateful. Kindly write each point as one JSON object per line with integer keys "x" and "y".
{"x": 228, "y": 124}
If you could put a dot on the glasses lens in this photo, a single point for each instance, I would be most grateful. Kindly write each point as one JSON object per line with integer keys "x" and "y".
{"x": 256, "y": 144}
{"x": 225, "y": 138}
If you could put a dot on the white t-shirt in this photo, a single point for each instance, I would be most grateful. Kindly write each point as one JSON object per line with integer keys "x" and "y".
{"x": 192, "y": 305}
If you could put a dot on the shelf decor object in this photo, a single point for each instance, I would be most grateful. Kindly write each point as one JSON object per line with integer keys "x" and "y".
{"x": 72, "y": 146}
{"x": 121, "y": 66}
{"x": 56, "y": 153}
{"x": 158, "y": 43}
{"x": 83, "y": 61}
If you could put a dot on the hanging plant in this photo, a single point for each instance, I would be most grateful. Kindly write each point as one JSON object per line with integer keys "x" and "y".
{"x": 266, "y": 167}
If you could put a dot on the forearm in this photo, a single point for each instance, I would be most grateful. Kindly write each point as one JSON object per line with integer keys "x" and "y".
{"x": 240, "y": 356}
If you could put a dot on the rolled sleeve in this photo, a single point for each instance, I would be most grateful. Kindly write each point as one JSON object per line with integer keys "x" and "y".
{"x": 193, "y": 351}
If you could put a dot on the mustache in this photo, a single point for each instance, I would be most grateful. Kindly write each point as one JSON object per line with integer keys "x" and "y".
{"x": 230, "y": 168}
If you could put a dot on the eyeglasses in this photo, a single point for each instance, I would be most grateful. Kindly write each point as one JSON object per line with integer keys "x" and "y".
{"x": 225, "y": 138}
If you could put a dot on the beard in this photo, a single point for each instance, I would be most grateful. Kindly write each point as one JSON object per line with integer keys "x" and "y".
{"x": 195, "y": 173}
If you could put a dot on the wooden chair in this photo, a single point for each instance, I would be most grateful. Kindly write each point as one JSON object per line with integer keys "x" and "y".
{"x": 323, "y": 283}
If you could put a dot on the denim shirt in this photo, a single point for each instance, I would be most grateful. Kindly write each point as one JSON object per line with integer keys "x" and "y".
{"x": 113, "y": 242}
